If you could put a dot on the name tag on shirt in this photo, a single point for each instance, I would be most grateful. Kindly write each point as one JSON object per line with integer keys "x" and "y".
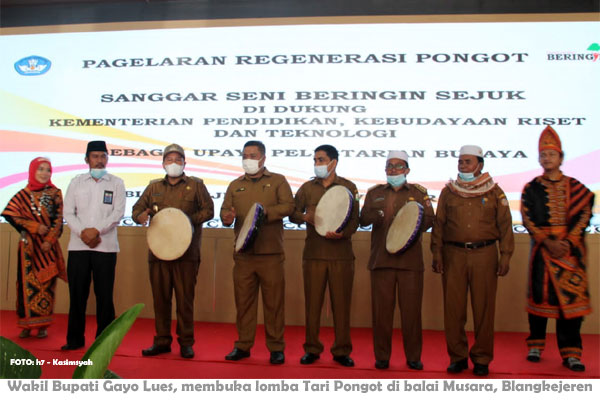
{"x": 108, "y": 197}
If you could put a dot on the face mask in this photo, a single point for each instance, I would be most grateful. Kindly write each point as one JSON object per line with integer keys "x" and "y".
{"x": 466, "y": 176}
{"x": 174, "y": 170}
{"x": 250, "y": 166}
{"x": 321, "y": 171}
{"x": 97, "y": 173}
{"x": 396, "y": 180}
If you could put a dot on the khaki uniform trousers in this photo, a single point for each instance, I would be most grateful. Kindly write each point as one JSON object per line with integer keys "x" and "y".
{"x": 407, "y": 285}
{"x": 340, "y": 277}
{"x": 167, "y": 277}
{"x": 251, "y": 272}
{"x": 475, "y": 271}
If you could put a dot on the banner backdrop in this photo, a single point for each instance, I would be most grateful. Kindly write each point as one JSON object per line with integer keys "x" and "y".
{"x": 424, "y": 88}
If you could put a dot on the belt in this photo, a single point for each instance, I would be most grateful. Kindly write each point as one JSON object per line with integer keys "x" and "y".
{"x": 472, "y": 245}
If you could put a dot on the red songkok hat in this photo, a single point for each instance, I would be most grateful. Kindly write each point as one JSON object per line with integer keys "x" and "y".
{"x": 33, "y": 166}
{"x": 549, "y": 140}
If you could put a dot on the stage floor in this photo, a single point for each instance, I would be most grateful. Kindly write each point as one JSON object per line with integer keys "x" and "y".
{"x": 215, "y": 340}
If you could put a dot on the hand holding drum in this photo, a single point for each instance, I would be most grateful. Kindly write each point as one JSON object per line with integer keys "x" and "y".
{"x": 169, "y": 234}
{"x": 333, "y": 211}
{"x": 404, "y": 228}
{"x": 250, "y": 228}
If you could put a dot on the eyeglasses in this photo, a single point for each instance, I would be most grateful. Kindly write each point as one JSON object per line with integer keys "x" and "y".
{"x": 397, "y": 167}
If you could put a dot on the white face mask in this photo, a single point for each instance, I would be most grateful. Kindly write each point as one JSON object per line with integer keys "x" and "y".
{"x": 251, "y": 166}
{"x": 174, "y": 170}
{"x": 321, "y": 171}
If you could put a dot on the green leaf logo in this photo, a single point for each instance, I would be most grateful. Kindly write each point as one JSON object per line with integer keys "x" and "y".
{"x": 594, "y": 47}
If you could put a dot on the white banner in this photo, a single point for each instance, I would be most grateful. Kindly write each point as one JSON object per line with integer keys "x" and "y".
{"x": 424, "y": 88}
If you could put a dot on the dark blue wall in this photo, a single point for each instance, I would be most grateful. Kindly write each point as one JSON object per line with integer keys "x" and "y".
{"x": 15, "y": 13}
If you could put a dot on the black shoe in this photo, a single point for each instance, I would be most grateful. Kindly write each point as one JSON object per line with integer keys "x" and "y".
{"x": 277, "y": 357}
{"x": 534, "y": 355}
{"x": 186, "y": 351}
{"x": 69, "y": 346}
{"x": 418, "y": 365}
{"x": 346, "y": 361}
{"x": 458, "y": 366}
{"x": 237, "y": 354}
{"x": 155, "y": 350}
{"x": 480, "y": 370}
{"x": 382, "y": 364}
{"x": 574, "y": 364}
{"x": 309, "y": 358}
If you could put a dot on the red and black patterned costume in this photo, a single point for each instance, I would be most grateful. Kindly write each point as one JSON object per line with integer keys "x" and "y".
{"x": 558, "y": 209}
{"x": 37, "y": 269}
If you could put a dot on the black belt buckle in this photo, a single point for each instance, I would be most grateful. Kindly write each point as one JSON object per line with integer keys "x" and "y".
{"x": 472, "y": 245}
{"x": 478, "y": 245}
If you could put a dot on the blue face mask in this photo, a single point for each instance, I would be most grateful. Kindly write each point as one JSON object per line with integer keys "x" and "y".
{"x": 466, "y": 176}
{"x": 321, "y": 171}
{"x": 396, "y": 180}
{"x": 97, "y": 173}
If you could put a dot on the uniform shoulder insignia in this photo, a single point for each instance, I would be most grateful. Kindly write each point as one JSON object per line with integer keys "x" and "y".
{"x": 348, "y": 181}
{"x": 504, "y": 200}
{"x": 375, "y": 186}
{"x": 195, "y": 178}
{"x": 501, "y": 195}
{"x": 155, "y": 180}
{"x": 420, "y": 188}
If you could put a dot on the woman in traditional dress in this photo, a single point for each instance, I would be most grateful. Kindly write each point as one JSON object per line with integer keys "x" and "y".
{"x": 37, "y": 213}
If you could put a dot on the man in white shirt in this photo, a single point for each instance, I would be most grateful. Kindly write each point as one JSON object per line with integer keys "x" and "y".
{"x": 93, "y": 207}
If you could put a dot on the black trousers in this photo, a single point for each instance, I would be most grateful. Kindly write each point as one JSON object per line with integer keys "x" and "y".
{"x": 568, "y": 335}
{"x": 82, "y": 267}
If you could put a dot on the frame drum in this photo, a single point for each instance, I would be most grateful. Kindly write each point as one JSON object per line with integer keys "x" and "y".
{"x": 333, "y": 210}
{"x": 169, "y": 234}
{"x": 404, "y": 228}
{"x": 249, "y": 229}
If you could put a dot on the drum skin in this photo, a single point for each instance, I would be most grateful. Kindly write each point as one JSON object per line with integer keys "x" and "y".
{"x": 404, "y": 228}
{"x": 250, "y": 228}
{"x": 333, "y": 210}
{"x": 169, "y": 234}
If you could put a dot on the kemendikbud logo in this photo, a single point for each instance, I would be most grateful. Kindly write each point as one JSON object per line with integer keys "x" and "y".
{"x": 33, "y": 65}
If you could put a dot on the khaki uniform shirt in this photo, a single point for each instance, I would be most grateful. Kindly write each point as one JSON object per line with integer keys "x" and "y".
{"x": 318, "y": 247}
{"x": 381, "y": 206}
{"x": 473, "y": 219}
{"x": 273, "y": 192}
{"x": 190, "y": 196}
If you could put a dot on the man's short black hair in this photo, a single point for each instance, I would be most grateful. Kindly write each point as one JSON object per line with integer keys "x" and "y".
{"x": 480, "y": 159}
{"x": 257, "y": 143}
{"x": 331, "y": 151}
